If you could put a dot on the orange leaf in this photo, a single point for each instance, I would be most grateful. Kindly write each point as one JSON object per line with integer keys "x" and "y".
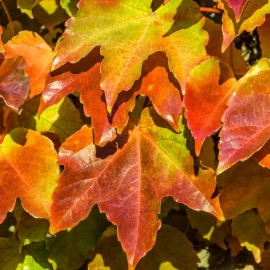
{"x": 38, "y": 57}
{"x": 29, "y": 171}
{"x": 128, "y": 179}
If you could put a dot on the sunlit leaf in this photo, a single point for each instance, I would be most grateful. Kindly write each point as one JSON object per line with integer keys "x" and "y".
{"x": 246, "y": 123}
{"x": 22, "y": 149}
{"x": 38, "y": 57}
{"x": 129, "y": 181}
{"x": 253, "y": 15}
{"x": 264, "y": 35}
{"x": 128, "y": 32}
{"x": 208, "y": 89}
{"x": 88, "y": 84}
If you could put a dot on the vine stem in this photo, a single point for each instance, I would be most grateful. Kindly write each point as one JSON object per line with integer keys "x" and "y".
{"x": 210, "y": 10}
{"x": 8, "y": 16}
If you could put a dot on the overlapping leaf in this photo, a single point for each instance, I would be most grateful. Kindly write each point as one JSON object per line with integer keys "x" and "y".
{"x": 88, "y": 84}
{"x": 128, "y": 32}
{"x": 246, "y": 122}
{"x": 252, "y": 15}
{"x": 208, "y": 89}
{"x": 38, "y": 57}
{"x": 264, "y": 35}
{"x": 61, "y": 119}
{"x": 237, "y": 6}
{"x": 263, "y": 155}
{"x": 26, "y": 6}
{"x": 129, "y": 182}
{"x": 156, "y": 83}
{"x": 14, "y": 82}
{"x": 246, "y": 186}
{"x": 249, "y": 229}
{"x": 231, "y": 56}
{"x": 159, "y": 85}
{"x": 29, "y": 171}
{"x": 172, "y": 251}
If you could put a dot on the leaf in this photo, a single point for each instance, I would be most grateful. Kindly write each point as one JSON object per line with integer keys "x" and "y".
{"x": 26, "y": 6}
{"x": 245, "y": 186}
{"x": 29, "y": 229}
{"x": 108, "y": 255}
{"x": 13, "y": 28}
{"x": 246, "y": 121}
{"x": 252, "y": 16}
{"x": 87, "y": 83}
{"x": 35, "y": 258}
{"x": 231, "y": 56}
{"x": 38, "y": 57}
{"x": 9, "y": 253}
{"x": 70, "y": 249}
{"x": 172, "y": 251}
{"x": 238, "y": 7}
{"x": 62, "y": 119}
{"x": 249, "y": 228}
{"x": 159, "y": 85}
{"x": 208, "y": 88}
{"x": 129, "y": 182}
{"x": 263, "y": 155}
{"x": 70, "y": 6}
{"x": 14, "y": 82}
{"x": 49, "y": 13}
{"x": 132, "y": 34}
{"x": 34, "y": 185}
{"x": 2, "y": 49}
{"x": 264, "y": 35}
{"x": 31, "y": 257}
{"x": 209, "y": 228}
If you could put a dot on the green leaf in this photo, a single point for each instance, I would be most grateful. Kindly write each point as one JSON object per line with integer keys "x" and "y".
{"x": 70, "y": 6}
{"x": 172, "y": 251}
{"x": 26, "y": 6}
{"x": 9, "y": 253}
{"x": 62, "y": 119}
{"x": 250, "y": 230}
{"x": 70, "y": 249}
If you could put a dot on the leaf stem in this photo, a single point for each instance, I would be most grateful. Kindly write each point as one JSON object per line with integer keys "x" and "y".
{"x": 8, "y": 17}
{"x": 210, "y": 10}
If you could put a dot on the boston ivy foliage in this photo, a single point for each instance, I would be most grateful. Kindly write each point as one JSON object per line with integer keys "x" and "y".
{"x": 133, "y": 134}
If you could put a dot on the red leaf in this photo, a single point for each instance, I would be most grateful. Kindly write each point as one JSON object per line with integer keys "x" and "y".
{"x": 246, "y": 122}
{"x": 208, "y": 89}
{"x": 38, "y": 57}
{"x": 237, "y": 6}
{"x": 128, "y": 179}
{"x": 159, "y": 85}
{"x": 88, "y": 84}
{"x": 14, "y": 82}
{"x": 29, "y": 171}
